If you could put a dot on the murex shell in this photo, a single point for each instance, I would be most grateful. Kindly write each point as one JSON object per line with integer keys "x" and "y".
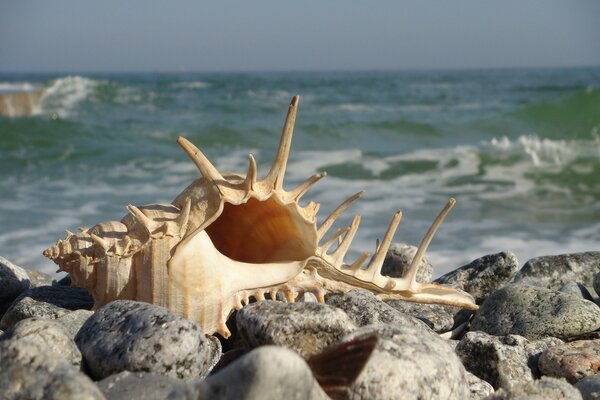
{"x": 229, "y": 237}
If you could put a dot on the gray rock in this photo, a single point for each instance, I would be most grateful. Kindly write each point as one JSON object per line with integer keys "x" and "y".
{"x": 306, "y": 328}
{"x": 13, "y": 281}
{"x": 589, "y": 387}
{"x": 409, "y": 363}
{"x": 572, "y": 361}
{"x": 39, "y": 279}
{"x": 74, "y": 320}
{"x": 478, "y": 388}
{"x": 438, "y": 317}
{"x": 398, "y": 259}
{"x": 266, "y": 373}
{"x": 483, "y": 276}
{"x": 51, "y": 336}
{"x": 552, "y": 272}
{"x": 364, "y": 308}
{"x": 133, "y": 336}
{"x": 137, "y": 385}
{"x": 535, "y": 312}
{"x": 503, "y": 361}
{"x": 544, "y": 389}
{"x": 576, "y": 289}
{"x": 29, "y": 308}
{"x": 596, "y": 283}
{"x": 29, "y": 371}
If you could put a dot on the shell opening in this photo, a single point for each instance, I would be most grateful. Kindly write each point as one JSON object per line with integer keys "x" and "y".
{"x": 263, "y": 231}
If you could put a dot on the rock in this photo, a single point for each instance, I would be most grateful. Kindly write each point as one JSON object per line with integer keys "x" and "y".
{"x": 483, "y": 276}
{"x": 266, "y": 373}
{"x": 13, "y": 281}
{"x": 552, "y": 272}
{"x": 576, "y": 289}
{"x": 134, "y": 336}
{"x": 572, "y": 361}
{"x": 364, "y": 308}
{"x": 438, "y": 317}
{"x": 30, "y": 372}
{"x": 398, "y": 259}
{"x": 74, "y": 320}
{"x": 51, "y": 336}
{"x": 543, "y": 389}
{"x": 589, "y": 387}
{"x": 409, "y": 363}
{"x": 46, "y": 302}
{"x": 39, "y": 279}
{"x": 503, "y": 361}
{"x": 596, "y": 283}
{"x": 478, "y": 388}
{"x": 306, "y": 328}
{"x": 535, "y": 312}
{"x": 66, "y": 281}
{"x": 137, "y": 385}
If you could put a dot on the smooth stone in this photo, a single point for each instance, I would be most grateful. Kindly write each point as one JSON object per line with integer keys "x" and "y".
{"x": 65, "y": 281}
{"x": 52, "y": 336}
{"x": 409, "y": 363}
{"x": 535, "y": 312}
{"x": 576, "y": 289}
{"x": 503, "y": 361}
{"x": 552, "y": 272}
{"x": 589, "y": 387}
{"x": 137, "y": 385}
{"x": 134, "y": 336}
{"x": 364, "y": 308}
{"x": 74, "y": 320}
{"x": 543, "y": 389}
{"x": 266, "y": 373}
{"x": 398, "y": 259}
{"x": 596, "y": 283}
{"x": 483, "y": 276}
{"x": 438, "y": 317}
{"x": 30, "y": 372}
{"x": 572, "y": 361}
{"x": 13, "y": 281}
{"x": 306, "y": 328}
{"x": 478, "y": 388}
{"x": 29, "y": 308}
{"x": 39, "y": 279}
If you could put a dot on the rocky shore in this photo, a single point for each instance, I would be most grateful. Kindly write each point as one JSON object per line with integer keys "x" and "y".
{"x": 535, "y": 336}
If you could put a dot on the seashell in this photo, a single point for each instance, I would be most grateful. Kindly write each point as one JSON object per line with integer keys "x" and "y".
{"x": 231, "y": 237}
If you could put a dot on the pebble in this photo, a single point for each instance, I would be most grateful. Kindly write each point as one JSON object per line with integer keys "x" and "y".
{"x": 572, "y": 361}
{"x": 74, "y": 320}
{"x": 503, "y": 361}
{"x": 576, "y": 289}
{"x": 306, "y": 328}
{"x": 398, "y": 259}
{"x": 552, "y": 272}
{"x": 137, "y": 385}
{"x": 483, "y": 276}
{"x": 478, "y": 388}
{"x": 13, "y": 281}
{"x": 596, "y": 283}
{"x": 27, "y": 307}
{"x": 266, "y": 373}
{"x": 134, "y": 336}
{"x": 543, "y": 389}
{"x": 364, "y": 308}
{"x": 439, "y": 318}
{"x": 30, "y": 372}
{"x": 589, "y": 387}
{"x": 409, "y": 363}
{"x": 535, "y": 312}
{"x": 53, "y": 337}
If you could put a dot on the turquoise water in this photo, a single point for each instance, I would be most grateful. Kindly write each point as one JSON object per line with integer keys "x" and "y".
{"x": 519, "y": 149}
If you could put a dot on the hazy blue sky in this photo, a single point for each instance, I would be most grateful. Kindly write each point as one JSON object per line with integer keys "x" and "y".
{"x": 126, "y": 35}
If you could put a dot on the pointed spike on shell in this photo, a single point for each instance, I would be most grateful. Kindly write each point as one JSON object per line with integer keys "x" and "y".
{"x": 342, "y": 249}
{"x": 205, "y": 167}
{"x": 104, "y": 244}
{"x": 251, "y": 174}
{"x": 374, "y": 268}
{"x": 411, "y": 275}
{"x": 329, "y": 242}
{"x": 360, "y": 261}
{"x": 68, "y": 233}
{"x": 311, "y": 209}
{"x": 276, "y": 174}
{"x": 184, "y": 214}
{"x": 301, "y": 189}
{"x": 142, "y": 219}
{"x": 336, "y": 213}
{"x": 83, "y": 229}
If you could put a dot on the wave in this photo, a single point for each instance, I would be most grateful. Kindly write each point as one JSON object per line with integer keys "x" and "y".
{"x": 191, "y": 85}
{"x": 62, "y": 95}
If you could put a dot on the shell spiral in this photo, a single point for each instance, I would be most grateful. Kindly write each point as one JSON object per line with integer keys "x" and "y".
{"x": 231, "y": 237}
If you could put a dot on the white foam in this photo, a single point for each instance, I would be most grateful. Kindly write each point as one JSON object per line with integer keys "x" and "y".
{"x": 17, "y": 87}
{"x": 191, "y": 85}
{"x": 63, "y": 94}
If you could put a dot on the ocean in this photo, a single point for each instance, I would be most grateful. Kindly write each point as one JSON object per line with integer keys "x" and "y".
{"x": 519, "y": 149}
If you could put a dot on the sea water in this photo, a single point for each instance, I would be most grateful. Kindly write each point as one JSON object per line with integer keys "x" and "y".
{"x": 518, "y": 149}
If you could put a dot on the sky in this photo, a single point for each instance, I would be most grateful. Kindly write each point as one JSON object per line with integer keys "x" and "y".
{"x": 273, "y": 35}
